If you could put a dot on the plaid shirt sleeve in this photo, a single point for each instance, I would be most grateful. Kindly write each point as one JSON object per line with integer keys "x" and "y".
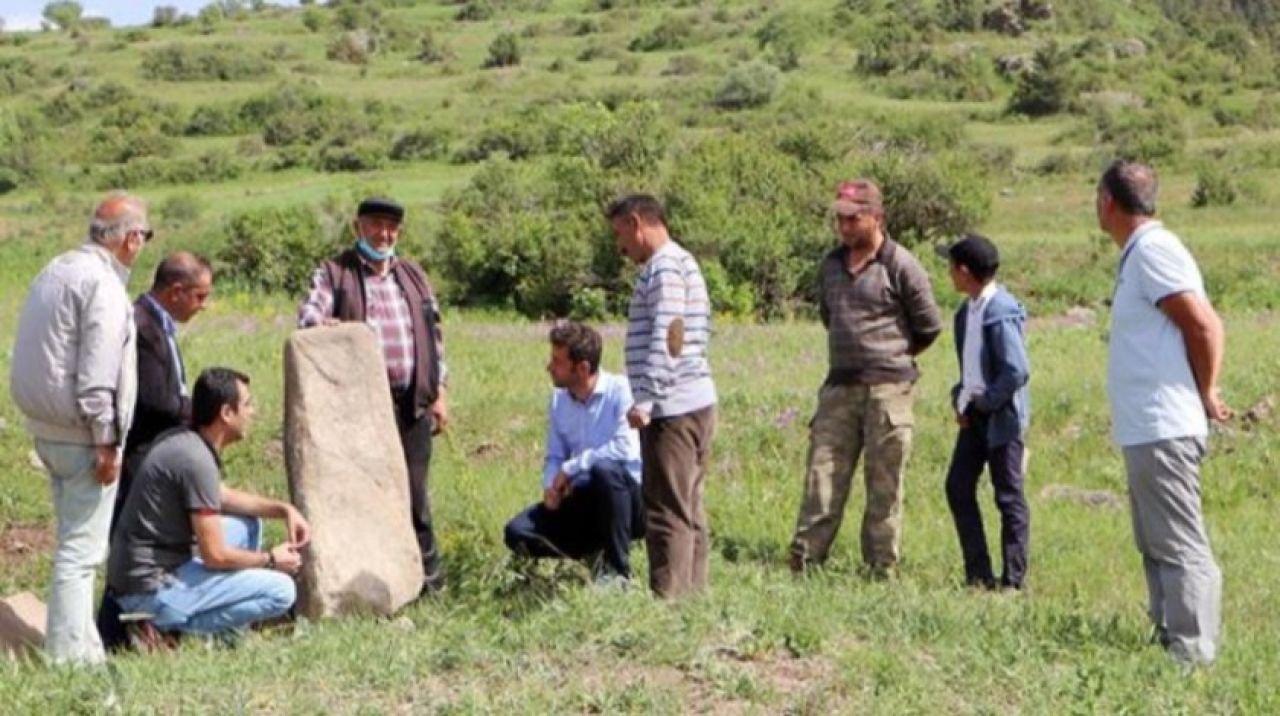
{"x": 319, "y": 303}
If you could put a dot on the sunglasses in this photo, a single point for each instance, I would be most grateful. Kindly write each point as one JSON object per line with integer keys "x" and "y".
{"x": 146, "y": 234}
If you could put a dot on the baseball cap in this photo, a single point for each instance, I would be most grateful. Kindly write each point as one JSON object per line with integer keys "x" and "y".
{"x": 857, "y": 196}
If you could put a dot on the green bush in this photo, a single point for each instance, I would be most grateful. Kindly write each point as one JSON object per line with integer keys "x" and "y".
{"x": 179, "y": 209}
{"x": 785, "y": 36}
{"x": 352, "y": 47}
{"x": 212, "y": 166}
{"x": 427, "y": 143}
{"x": 1156, "y": 135}
{"x": 215, "y": 120}
{"x": 504, "y": 51}
{"x": 274, "y": 249}
{"x": 671, "y": 33}
{"x": 341, "y": 154}
{"x": 187, "y": 63}
{"x": 1215, "y": 186}
{"x": 929, "y": 196}
{"x": 750, "y": 84}
{"x": 1049, "y": 87}
{"x": 431, "y": 49}
{"x": 19, "y": 74}
{"x": 475, "y": 11}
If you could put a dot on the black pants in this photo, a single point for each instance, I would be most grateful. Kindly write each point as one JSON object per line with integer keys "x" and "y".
{"x": 603, "y": 515}
{"x": 415, "y": 440}
{"x": 1005, "y": 465}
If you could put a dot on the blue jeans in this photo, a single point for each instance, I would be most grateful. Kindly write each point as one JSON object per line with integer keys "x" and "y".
{"x": 209, "y": 601}
{"x": 82, "y": 508}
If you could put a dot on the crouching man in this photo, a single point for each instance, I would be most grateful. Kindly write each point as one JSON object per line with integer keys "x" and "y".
{"x": 590, "y": 507}
{"x": 227, "y": 582}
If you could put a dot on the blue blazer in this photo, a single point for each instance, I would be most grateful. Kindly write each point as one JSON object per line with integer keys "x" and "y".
{"x": 1005, "y": 368}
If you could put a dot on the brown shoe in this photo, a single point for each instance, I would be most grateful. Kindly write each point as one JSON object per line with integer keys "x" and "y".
{"x": 144, "y": 637}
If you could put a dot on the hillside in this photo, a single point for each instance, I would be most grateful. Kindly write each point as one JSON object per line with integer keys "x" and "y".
{"x": 506, "y": 125}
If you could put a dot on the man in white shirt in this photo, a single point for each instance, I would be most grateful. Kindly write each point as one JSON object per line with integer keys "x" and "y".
{"x": 1166, "y": 351}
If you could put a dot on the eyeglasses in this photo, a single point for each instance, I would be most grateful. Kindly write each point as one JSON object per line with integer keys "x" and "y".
{"x": 146, "y": 234}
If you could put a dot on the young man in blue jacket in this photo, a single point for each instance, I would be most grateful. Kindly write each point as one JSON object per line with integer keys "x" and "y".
{"x": 992, "y": 410}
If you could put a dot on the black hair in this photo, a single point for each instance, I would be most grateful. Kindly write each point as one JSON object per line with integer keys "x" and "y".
{"x": 215, "y": 388}
{"x": 583, "y": 342}
{"x": 181, "y": 268}
{"x": 1132, "y": 186}
{"x": 646, "y": 206}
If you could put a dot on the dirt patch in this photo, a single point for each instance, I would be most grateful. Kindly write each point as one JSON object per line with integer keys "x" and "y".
{"x": 22, "y": 543}
{"x": 1104, "y": 499}
{"x": 1074, "y": 317}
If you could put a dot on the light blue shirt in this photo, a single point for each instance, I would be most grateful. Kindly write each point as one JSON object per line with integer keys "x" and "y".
{"x": 171, "y": 333}
{"x": 580, "y": 435}
{"x": 1149, "y": 380}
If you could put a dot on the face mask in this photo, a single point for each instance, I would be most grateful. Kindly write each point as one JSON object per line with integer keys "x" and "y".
{"x": 373, "y": 254}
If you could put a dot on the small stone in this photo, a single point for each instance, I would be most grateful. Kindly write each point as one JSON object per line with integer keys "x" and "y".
{"x": 22, "y": 621}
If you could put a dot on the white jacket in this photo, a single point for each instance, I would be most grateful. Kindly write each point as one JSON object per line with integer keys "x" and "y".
{"x": 74, "y": 373}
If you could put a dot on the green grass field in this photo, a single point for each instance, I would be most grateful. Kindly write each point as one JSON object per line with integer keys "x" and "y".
{"x": 761, "y": 641}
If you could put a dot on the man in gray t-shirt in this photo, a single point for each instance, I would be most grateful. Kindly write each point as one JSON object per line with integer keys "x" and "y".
{"x": 187, "y": 551}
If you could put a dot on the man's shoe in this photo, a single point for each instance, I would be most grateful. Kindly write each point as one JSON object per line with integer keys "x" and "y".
{"x": 143, "y": 635}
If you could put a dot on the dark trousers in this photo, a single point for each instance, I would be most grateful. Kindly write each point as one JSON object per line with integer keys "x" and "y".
{"x": 1004, "y": 462}
{"x": 415, "y": 440}
{"x": 604, "y": 515}
{"x": 675, "y": 452}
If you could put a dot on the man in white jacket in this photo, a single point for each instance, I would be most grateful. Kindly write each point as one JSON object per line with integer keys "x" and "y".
{"x": 74, "y": 377}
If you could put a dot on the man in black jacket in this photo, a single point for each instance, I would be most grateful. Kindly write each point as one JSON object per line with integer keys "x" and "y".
{"x": 181, "y": 289}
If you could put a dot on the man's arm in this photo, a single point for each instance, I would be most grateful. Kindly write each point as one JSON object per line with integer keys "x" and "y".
{"x": 317, "y": 308}
{"x": 1205, "y": 340}
{"x": 556, "y": 451}
{"x": 160, "y": 399}
{"x": 1012, "y": 368}
{"x": 239, "y": 502}
{"x": 924, "y": 321}
{"x": 217, "y": 554}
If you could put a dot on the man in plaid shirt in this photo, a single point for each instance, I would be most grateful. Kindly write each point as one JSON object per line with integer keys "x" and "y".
{"x": 369, "y": 283}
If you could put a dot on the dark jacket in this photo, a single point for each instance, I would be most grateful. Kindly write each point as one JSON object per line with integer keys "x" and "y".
{"x": 1006, "y": 403}
{"x": 161, "y": 404}
{"x": 346, "y": 276}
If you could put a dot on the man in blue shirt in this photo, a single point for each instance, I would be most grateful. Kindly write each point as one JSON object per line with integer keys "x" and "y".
{"x": 591, "y": 475}
{"x": 1165, "y": 356}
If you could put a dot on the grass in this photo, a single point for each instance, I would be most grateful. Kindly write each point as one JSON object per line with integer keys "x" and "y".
{"x": 544, "y": 641}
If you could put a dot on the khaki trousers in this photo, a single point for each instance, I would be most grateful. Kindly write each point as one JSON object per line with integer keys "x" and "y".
{"x": 874, "y": 421}
{"x": 675, "y": 451}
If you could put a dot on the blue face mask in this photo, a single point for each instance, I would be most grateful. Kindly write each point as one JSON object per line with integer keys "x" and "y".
{"x": 373, "y": 254}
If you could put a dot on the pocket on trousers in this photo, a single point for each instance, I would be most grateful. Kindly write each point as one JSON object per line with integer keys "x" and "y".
{"x": 898, "y": 401}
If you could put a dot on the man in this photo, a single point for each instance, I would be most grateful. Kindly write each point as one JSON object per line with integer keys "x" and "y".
{"x": 73, "y": 376}
{"x": 992, "y": 408}
{"x": 182, "y": 285}
{"x": 669, "y": 323}
{"x": 1166, "y": 350}
{"x": 178, "y": 498}
{"x": 876, "y": 303}
{"x": 591, "y": 474}
{"x": 370, "y": 283}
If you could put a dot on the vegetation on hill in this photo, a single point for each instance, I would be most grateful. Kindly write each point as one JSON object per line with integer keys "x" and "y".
{"x": 742, "y": 115}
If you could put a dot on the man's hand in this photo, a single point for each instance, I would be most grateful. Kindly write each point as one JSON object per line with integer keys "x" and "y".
{"x": 439, "y": 414}
{"x": 287, "y": 558}
{"x": 1215, "y": 407}
{"x": 963, "y": 421}
{"x": 329, "y": 322}
{"x": 297, "y": 526}
{"x": 560, "y": 488}
{"x": 637, "y": 418}
{"x": 107, "y": 467}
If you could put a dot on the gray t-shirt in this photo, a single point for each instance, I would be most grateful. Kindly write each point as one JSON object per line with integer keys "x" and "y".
{"x": 180, "y": 474}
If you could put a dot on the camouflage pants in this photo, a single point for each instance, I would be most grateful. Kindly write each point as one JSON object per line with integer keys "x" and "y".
{"x": 872, "y": 420}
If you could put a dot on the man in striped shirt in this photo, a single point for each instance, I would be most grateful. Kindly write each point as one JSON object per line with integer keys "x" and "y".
{"x": 369, "y": 283}
{"x": 668, "y": 327}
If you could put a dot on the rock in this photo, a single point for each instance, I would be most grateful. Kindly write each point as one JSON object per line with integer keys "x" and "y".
{"x": 347, "y": 475}
{"x": 1081, "y": 316}
{"x": 1131, "y": 47}
{"x": 1104, "y": 499}
{"x": 1004, "y": 20}
{"x": 22, "y": 620}
{"x": 1260, "y": 412}
{"x": 33, "y": 459}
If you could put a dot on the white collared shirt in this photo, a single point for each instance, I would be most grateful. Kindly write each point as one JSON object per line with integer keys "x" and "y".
{"x": 971, "y": 382}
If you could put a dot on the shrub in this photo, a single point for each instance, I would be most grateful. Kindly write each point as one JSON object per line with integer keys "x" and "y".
{"x": 784, "y": 37}
{"x": 1215, "y": 186}
{"x": 504, "y": 51}
{"x": 684, "y": 65}
{"x": 1050, "y": 85}
{"x": 927, "y": 196}
{"x": 18, "y": 74}
{"x": 671, "y": 33}
{"x": 212, "y": 166}
{"x": 431, "y": 49}
{"x": 476, "y": 11}
{"x": 215, "y": 120}
{"x": 421, "y": 144}
{"x": 275, "y": 249}
{"x": 352, "y": 47}
{"x": 184, "y": 63}
{"x": 313, "y": 19}
{"x": 164, "y": 16}
{"x": 181, "y": 208}
{"x": 344, "y": 155}
{"x": 750, "y": 84}
{"x": 1155, "y": 136}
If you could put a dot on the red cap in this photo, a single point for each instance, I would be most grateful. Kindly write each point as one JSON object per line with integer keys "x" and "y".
{"x": 856, "y": 197}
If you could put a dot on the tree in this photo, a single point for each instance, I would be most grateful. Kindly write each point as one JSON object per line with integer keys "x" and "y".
{"x": 504, "y": 51}
{"x": 63, "y": 13}
{"x": 164, "y": 16}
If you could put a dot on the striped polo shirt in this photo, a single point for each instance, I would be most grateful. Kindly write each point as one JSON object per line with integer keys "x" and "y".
{"x": 670, "y": 286}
